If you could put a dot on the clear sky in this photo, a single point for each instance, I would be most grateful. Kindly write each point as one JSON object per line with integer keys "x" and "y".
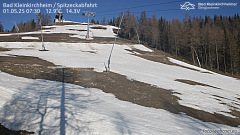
{"x": 168, "y": 9}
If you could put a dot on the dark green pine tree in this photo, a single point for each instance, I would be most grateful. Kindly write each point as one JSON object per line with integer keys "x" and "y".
{"x": 1, "y": 27}
{"x": 238, "y": 49}
{"x": 33, "y": 24}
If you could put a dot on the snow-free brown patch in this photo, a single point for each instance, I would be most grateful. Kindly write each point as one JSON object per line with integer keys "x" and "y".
{"x": 190, "y": 82}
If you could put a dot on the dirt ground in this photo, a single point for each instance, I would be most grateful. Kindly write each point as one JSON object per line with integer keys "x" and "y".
{"x": 5, "y": 131}
{"x": 124, "y": 89}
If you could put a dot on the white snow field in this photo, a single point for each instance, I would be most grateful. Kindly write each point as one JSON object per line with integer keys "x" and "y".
{"x": 40, "y": 105}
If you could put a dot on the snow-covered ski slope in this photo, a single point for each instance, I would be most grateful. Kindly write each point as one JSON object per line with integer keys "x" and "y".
{"x": 78, "y": 30}
{"x": 92, "y": 111}
{"x": 37, "y": 104}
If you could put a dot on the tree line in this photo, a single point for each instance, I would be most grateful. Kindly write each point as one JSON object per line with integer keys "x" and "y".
{"x": 212, "y": 43}
{"x": 1, "y": 27}
{"x": 31, "y": 24}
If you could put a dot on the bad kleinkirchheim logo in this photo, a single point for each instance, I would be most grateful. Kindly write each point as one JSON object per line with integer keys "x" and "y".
{"x": 207, "y": 5}
{"x": 187, "y": 6}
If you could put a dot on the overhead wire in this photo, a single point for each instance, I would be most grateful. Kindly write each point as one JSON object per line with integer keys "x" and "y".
{"x": 161, "y": 10}
{"x": 162, "y": 3}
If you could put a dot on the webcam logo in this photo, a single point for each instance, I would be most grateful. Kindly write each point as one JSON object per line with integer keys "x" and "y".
{"x": 187, "y": 6}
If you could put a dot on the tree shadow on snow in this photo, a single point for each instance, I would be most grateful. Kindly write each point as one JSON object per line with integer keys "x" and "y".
{"x": 48, "y": 107}
{"x": 122, "y": 124}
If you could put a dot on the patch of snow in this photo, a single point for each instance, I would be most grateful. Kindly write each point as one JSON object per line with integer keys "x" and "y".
{"x": 104, "y": 33}
{"x": 84, "y": 23}
{"x": 79, "y": 36}
{"x": 64, "y": 21}
{"x": 114, "y": 27}
{"x": 187, "y": 65}
{"x": 32, "y": 38}
{"x": 142, "y": 48}
{"x": 1, "y": 54}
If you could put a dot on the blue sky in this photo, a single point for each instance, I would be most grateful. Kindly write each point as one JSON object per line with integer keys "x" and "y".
{"x": 110, "y": 6}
